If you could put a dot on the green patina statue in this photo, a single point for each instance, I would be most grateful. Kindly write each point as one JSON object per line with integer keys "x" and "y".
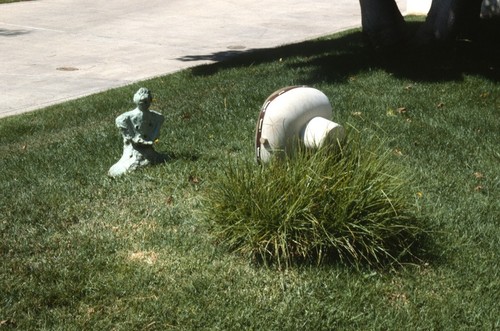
{"x": 140, "y": 129}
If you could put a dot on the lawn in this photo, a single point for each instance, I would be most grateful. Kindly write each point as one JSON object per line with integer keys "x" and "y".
{"x": 82, "y": 251}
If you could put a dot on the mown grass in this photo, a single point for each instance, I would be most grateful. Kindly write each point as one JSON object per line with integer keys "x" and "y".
{"x": 82, "y": 251}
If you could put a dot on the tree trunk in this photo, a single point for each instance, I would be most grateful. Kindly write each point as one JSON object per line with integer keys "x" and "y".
{"x": 490, "y": 8}
{"x": 449, "y": 19}
{"x": 382, "y": 22}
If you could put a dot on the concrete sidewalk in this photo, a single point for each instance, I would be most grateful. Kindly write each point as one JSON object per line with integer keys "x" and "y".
{"x": 57, "y": 50}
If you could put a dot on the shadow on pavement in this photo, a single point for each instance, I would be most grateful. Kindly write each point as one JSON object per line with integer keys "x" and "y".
{"x": 12, "y": 33}
{"x": 340, "y": 58}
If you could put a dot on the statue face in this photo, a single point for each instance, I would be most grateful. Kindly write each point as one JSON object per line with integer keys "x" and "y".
{"x": 143, "y": 98}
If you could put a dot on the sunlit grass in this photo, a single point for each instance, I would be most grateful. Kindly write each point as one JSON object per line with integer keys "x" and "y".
{"x": 81, "y": 251}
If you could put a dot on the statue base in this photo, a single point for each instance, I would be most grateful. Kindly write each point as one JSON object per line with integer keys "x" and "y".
{"x": 135, "y": 156}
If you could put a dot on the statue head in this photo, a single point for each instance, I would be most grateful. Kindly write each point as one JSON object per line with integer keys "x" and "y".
{"x": 143, "y": 98}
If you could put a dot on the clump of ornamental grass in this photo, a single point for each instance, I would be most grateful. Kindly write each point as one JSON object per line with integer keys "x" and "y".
{"x": 346, "y": 203}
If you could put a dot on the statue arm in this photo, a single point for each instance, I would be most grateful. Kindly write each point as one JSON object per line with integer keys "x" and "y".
{"x": 159, "y": 119}
{"x": 126, "y": 128}
{"x": 131, "y": 134}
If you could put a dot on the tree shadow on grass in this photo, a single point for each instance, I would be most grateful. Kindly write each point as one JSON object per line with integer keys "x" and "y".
{"x": 335, "y": 60}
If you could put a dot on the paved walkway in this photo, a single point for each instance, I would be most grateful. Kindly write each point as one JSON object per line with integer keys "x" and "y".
{"x": 57, "y": 50}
